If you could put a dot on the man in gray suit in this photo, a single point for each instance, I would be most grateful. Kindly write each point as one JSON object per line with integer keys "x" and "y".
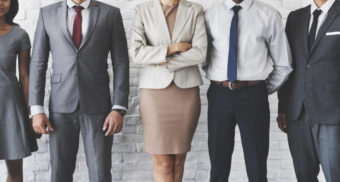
{"x": 310, "y": 100}
{"x": 80, "y": 34}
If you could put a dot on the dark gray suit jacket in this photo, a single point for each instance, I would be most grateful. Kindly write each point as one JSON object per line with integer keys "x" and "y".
{"x": 315, "y": 82}
{"x": 80, "y": 75}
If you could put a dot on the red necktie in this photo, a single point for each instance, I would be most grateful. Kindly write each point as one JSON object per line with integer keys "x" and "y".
{"x": 77, "y": 33}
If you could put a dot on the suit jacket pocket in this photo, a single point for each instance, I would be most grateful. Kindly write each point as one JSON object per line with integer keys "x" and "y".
{"x": 56, "y": 78}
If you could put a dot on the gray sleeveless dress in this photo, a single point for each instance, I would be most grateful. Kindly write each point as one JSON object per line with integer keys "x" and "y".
{"x": 17, "y": 140}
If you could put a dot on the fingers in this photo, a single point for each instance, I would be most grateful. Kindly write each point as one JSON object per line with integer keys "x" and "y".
{"x": 48, "y": 123}
{"x": 37, "y": 130}
{"x": 41, "y": 128}
{"x": 187, "y": 46}
{"x": 110, "y": 130}
{"x": 44, "y": 130}
{"x": 282, "y": 123}
{"x": 38, "y": 126}
{"x": 184, "y": 46}
{"x": 40, "y": 123}
{"x": 115, "y": 128}
{"x": 106, "y": 124}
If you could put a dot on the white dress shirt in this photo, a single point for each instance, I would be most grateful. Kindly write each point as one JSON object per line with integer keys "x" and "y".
{"x": 325, "y": 9}
{"x": 263, "y": 49}
{"x": 71, "y": 14}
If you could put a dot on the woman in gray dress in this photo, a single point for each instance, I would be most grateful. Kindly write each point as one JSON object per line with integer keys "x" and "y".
{"x": 17, "y": 139}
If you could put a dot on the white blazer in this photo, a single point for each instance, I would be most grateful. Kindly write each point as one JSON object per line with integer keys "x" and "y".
{"x": 150, "y": 39}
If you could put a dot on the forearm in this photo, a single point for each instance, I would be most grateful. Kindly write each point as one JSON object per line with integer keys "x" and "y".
{"x": 283, "y": 94}
{"x": 37, "y": 80}
{"x": 172, "y": 49}
{"x": 277, "y": 78}
{"x": 121, "y": 86}
{"x": 143, "y": 54}
{"x": 192, "y": 57}
{"x": 24, "y": 87}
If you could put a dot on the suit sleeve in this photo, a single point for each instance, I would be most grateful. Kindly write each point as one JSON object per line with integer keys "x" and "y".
{"x": 197, "y": 54}
{"x": 120, "y": 62}
{"x": 140, "y": 51}
{"x": 284, "y": 90}
{"x": 38, "y": 65}
{"x": 205, "y": 66}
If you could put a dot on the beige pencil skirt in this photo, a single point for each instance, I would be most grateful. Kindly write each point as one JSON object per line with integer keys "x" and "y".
{"x": 170, "y": 118}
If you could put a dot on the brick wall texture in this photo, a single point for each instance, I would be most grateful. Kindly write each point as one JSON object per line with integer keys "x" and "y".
{"x": 129, "y": 162}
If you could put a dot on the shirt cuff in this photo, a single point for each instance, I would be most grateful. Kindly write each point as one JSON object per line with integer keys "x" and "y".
{"x": 36, "y": 109}
{"x": 119, "y": 107}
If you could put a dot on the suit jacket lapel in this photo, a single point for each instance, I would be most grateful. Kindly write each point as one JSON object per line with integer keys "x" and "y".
{"x": 93, "y": 17}
{"x": 62, "y": 14}
{"x": 332, "y": 14}
{"x": 305, "y": 29}
{"x": 158, "y": 14}
{"x": 183, "y": 14}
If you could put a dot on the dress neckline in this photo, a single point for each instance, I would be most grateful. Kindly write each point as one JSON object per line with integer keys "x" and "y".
{"x": 12, "y": 27}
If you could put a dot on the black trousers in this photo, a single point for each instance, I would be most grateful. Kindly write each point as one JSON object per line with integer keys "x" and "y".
{"x": 249, "y": 109}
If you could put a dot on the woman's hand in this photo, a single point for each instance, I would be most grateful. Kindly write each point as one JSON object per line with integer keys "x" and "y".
{"x": 178, "y": 47}
{"x": 173, "y": 49}
{"x": 183, "y": 47}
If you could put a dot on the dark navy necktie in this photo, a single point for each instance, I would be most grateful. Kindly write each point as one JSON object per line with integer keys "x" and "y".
{"x": 312, "y": 32}
{"x": 233, "y": 46}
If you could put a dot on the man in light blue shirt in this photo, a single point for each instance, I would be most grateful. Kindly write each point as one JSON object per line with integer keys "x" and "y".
{"x": 249, "y": 58}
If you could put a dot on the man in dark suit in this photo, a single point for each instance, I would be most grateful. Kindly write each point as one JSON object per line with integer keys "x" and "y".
{"x": 80, "y": 34}
{"x": 309, "y": 103}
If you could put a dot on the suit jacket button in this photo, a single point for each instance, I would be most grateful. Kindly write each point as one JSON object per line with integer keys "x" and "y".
{"x": 308, "y": 66}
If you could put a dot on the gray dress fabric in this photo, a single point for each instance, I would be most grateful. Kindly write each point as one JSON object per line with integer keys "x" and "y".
{"x": 17, "y": 140}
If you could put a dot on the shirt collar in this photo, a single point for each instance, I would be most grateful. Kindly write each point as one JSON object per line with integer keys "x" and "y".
{"x": 85, "y": 4}
{"x": 245, "y": 4}
{"x": 324, "y": 8}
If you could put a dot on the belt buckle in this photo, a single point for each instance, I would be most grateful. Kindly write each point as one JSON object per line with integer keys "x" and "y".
{"x": 231, "y": 85}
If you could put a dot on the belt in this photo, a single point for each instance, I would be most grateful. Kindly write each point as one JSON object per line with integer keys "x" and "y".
{"x": 238, "y": 84}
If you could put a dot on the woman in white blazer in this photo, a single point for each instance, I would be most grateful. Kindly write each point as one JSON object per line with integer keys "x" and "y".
{"x": 169, "y": 38}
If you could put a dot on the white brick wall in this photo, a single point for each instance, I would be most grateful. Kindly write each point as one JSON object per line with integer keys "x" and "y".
{"x": 130, "y": 163}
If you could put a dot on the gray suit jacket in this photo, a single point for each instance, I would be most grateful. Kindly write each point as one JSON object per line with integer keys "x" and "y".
{"x": 150, "y": 39}
{"x": 315, "y": 81}
{"x": 80, "y": 76}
